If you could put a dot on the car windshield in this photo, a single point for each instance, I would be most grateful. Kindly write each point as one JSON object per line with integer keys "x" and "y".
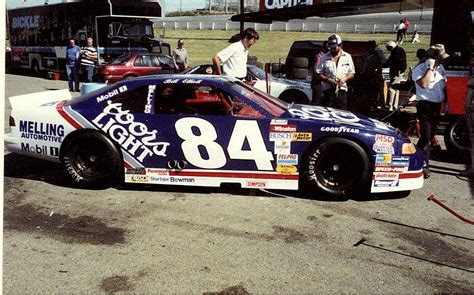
{"x": 271, "y": 104}
{"x": 121, "y": 60}
{"x": 257, "y": 72}
{"x": 137, "y": 30}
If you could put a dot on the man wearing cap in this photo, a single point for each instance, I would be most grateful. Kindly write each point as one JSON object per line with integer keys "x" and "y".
{"x": 234, "y": 57}
{"x": 430, "y": 84}
{"x": 180, "y": 57}
{"x": 398, "y": 64}
{"x": 334, "y": 70}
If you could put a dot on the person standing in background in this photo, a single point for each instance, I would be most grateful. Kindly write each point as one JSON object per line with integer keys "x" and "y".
{"x": 399, "y": 29}
{"x": 315, "y": 82}
{"x": 180, "y": 57}
{"x": 88, "y": 60}
{"x": 371, "y": 79}
{"x": 72, "y": 65}
{"x": 398, "y": 64}
{"x": 430, "y": 81}
{"x": 234, "y": 57}
{"x": 334, "y": 70}
{"x": 406, "y": 24}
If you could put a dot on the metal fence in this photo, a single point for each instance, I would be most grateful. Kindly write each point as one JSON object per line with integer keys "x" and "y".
{"x": 292, "y": 26}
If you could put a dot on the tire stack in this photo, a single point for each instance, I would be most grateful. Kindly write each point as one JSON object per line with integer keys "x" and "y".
{"x": 297, "y": 68}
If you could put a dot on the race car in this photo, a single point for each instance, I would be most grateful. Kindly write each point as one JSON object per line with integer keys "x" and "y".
{"x": 205, "y": 130}
{"x": 285, "y": 89}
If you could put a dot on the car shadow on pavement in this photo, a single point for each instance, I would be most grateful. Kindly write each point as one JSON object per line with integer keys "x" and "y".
{"x": 24, "y": 167}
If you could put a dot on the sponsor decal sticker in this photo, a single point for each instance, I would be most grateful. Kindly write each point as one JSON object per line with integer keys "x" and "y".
{"x": 40, "y": 149}
{"x": 339, "y": 129}
{"x": 281, "y": 136}
{"x": 139, "y": 178}
{"x": 157, "y": 172}
{"x": 287, "y": 159}
{"x": 256, "y": 184}
{"x": 282, "y": 128}
{"x": 41, "y": 131}
{"x": 282, "y": 147}
{"x": 132, "y": 136}
{"x": 302, "y": 136}
{"x": 386, "y": 183}
{"x": 278, "y": 122}
{"x": 383, "y": 148}
{"x": 286, "y": 169}
{"x": 149, "y": 99}
{"x": 139, "y": 171}
{"x": 385, "y": 175}
{"x": 183, "y": 81}
{"x": 383, "y": 159}
{"x": 384, "y": 138}
{"x": 111, "y": 93}
{"x": 390, "y": 169}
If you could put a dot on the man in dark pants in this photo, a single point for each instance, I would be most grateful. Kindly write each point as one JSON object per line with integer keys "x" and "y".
{"x": 398, "y": 64}
{"x": 72, "y": 65}
{"x": 334, "y": 70}
{"x": 430, "y": 84}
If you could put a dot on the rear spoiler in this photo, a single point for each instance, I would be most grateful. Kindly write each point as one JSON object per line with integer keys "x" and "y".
{"x": 34, "y": 100}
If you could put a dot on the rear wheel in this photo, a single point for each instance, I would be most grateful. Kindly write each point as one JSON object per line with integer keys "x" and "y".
{"x": 91, "y": 159}
{"x": 336, "y": 167}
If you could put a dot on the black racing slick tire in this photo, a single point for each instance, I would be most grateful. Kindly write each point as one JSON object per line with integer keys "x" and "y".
{"x": 297, "y": 73}
{"x": 92, "y": 159}
{"x": 456, "y": 137}
{"x": 296, "y": 62}
{"x": 337, "y": 168}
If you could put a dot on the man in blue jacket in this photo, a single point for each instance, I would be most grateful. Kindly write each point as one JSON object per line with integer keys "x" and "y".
{"x": 72, "y": 65}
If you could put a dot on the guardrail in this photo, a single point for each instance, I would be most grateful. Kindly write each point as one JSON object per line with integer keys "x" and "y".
{"x": 292, "y": 26}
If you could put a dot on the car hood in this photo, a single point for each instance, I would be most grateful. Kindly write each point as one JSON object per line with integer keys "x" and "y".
{"x": 331, "y": 116}
{"x": 292, "y": 82}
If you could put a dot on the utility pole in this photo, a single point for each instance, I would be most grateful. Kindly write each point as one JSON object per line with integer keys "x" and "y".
{"x": 210, "y": 6}
{"x": 226, "y": 6}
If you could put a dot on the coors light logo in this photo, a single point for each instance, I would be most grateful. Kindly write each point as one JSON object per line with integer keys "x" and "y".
{"x": 276, "y": 4}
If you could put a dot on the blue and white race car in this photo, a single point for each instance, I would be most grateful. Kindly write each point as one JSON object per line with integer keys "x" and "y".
{"x": 206, "y": 130}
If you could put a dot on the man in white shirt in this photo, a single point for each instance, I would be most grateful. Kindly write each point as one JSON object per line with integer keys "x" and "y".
{"x": 234, "y": 57}
{"x": 334, "y": 70}
{"x": 430, "y": 84}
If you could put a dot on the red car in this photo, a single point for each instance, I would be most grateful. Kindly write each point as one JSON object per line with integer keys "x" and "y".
{"x": 134, "y": 65}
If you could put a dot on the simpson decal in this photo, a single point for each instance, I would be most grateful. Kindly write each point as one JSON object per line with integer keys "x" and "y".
{"x": 132, "y": 136}
{"x": 256, "y": 184}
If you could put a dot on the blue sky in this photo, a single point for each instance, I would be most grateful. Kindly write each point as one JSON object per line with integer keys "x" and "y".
{"x": 170, "y": 5}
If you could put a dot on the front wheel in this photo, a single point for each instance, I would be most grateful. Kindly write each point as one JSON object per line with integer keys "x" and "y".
{"x": 91, "y": 159}
{"x": 336, "y": 167}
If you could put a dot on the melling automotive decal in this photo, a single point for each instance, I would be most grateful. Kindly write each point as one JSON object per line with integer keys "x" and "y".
{"x": 132, "y": 136}
{"x": 41, "y": 131}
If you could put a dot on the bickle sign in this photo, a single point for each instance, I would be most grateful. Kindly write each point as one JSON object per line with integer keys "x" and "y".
{"x": 276, "y": 4}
